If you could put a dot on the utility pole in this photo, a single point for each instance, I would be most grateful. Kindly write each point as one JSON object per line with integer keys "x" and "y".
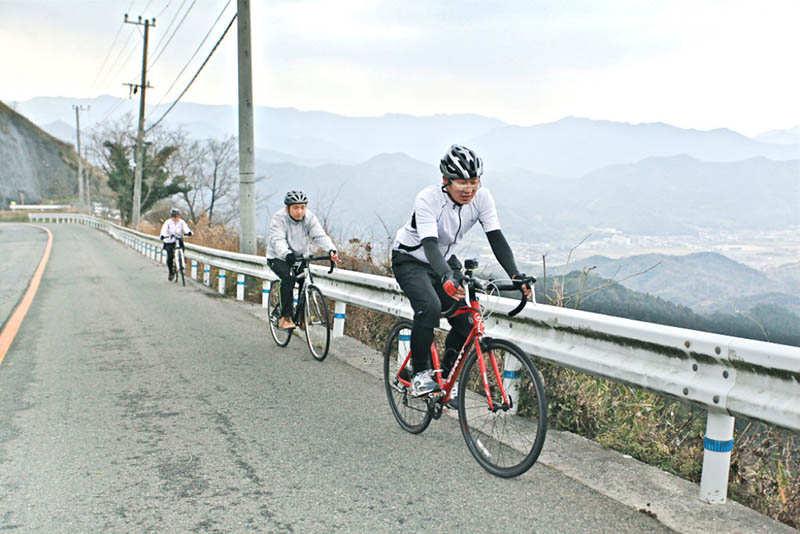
{"x": 137, "y": 176}
{"x": 88, "y": 184}
{"x": 80, "y": 160}
{"x": 247, "y": 175}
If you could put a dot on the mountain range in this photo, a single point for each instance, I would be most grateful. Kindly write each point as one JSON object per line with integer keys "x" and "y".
{"x": 570, "y": 147}
{"x": 706, "y": 282}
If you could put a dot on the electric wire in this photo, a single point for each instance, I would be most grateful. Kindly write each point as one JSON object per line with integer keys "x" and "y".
{"x": 169, "y": 27}
{"x": 197, "y": 73}
{"x": 113, "y": 67}
{"x": 108, "y": 54}
{"x": 188, "y": 10}
{"x": 166, "y": 93}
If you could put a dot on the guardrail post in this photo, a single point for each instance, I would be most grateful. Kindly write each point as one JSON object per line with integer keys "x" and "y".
{"x": 265, "y": 293}
{"x": 194, "y": 269}
{"x": 511, "y": 376}
{"x": 239, "y": 287}
{"x": 403, "y": 345}
{"x": 221, "y": 280}
{"x": 163, "y": 256}
{"x": 718, "y": 444}
{"x": 206, "y": 274}
{"x": 339, "y": 313}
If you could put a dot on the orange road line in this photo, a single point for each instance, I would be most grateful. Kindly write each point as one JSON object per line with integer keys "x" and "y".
{"x": 15, "y": 321}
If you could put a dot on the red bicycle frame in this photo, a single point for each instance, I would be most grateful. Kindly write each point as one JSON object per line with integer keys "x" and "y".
{"x": 475, "y": 335}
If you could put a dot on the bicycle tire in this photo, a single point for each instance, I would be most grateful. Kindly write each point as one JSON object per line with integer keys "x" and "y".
{"x": 281, "y": 337}
{"x": 182, "y": 263}
{"x": 507, "y": 441}
{"x": 317, "y": 323}
{"x": 412, "y": 413}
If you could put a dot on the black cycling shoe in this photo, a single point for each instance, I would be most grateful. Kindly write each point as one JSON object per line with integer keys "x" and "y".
{"x": 170, "y": 277}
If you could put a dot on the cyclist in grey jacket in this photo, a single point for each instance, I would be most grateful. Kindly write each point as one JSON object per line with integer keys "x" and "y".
{"x": 290, "y": 230}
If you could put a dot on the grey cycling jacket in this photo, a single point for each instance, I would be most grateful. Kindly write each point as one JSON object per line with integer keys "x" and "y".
{"x": 287, "y": 235}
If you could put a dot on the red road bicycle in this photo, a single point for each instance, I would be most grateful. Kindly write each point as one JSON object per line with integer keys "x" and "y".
{"x": 501, "y": 400}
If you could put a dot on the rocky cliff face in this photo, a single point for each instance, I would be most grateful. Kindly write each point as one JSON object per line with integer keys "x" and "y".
{"x": 33, "y": 162}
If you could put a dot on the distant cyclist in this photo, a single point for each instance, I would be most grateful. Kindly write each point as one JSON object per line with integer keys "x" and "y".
{"x": 290, "y": 231}
{"x": 423, "y": 263}
{"x": 172, "y": 231}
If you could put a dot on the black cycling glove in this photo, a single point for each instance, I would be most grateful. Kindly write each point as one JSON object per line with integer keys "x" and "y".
{"x": 291, "y": 258}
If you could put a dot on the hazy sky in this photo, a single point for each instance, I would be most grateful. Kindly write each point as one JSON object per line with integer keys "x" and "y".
{"x": 696, "y": 64}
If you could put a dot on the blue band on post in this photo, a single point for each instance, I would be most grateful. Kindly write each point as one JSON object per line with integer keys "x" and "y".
{"x": 222, "y": 276}
{"x": 239, "y": 283}
{"x": 512, "y": 374}
{"x": 404, "y": 337}
{"x": 338, "y": 316}
{"x": 717, "y": 446}
{"x": 265, "y": 290}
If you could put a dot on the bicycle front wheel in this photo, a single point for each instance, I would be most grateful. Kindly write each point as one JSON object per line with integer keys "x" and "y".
{"x": 412, "y": 413}
{"x": 182, "y": 264}
{"x": 281, "y": 337}
{"x": 317, "y": 323}
{"x": 503, "y": 422}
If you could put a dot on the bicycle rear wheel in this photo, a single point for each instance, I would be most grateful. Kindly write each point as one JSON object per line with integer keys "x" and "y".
{"x": 281, "y": 337}
{"x": 506, "y": 438}
{"x": 411, "y": 412}
{"x": 318, "y": 328}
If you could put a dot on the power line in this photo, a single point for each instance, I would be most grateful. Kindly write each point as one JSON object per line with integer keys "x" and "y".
{"x": 194, "y": 54}
{"x": 108, "y": 54}
{"x": 173, "y": 35}
{"x": 119, "y": 55}
{"x": 197, "y": 73}
{"x": 156, "y": 48}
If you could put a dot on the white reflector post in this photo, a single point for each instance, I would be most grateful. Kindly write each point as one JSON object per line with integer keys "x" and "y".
{"x": 339, "y": 313}
{"x": 239, "y": 287}
{"x": 718, "y": 444}
{"x": 511, "y": 378}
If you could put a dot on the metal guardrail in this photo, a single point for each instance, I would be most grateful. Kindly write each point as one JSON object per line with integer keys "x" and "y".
{"x": 728, "y": 376}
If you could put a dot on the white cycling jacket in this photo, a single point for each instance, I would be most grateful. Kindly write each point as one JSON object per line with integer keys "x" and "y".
{"x": 436, "y": 215}
{"x": 171, "y": 228}
{"x": 287, "y": 235}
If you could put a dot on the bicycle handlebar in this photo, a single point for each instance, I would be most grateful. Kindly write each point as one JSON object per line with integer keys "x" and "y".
{"x": 482, "y": 285}
{"x": 316, "y": 258}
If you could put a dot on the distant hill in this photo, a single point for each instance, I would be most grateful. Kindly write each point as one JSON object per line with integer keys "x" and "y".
{"x": 34, "y": 163}
{"x": 657, "y": 196}
{"x": 680, "y": 195}
{"x": 788, "y": 274}
{"x": 570, "y": 147}
{"x": 764, "y": 322}
{"x": 706, "y": 282}
{"x": 61, "y": 130}
{"x": 574, "y": 146}
{"x": 781, "y": 137}
{"x": 359, "y": 199}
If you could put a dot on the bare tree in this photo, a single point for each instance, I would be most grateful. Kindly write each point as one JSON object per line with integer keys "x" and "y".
{"x": 221, "y": 170}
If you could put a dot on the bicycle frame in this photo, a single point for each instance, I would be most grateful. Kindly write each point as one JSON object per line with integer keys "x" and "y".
{"x": 473, "y": 338}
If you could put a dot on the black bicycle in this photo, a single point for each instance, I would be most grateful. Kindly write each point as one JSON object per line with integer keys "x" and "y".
{"x": 310, "y": 314}
{"x": 179, "y": 259}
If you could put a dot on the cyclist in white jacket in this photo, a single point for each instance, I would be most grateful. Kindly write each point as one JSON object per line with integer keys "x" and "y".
{"x": 290, "y": 230}
{"x": 172, "y": 231}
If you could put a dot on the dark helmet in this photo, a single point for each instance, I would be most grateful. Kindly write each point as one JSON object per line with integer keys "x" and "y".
{"x": 174, "y": 211}
{"x": 295, "y": 197}
{"x": 461, "y": 163}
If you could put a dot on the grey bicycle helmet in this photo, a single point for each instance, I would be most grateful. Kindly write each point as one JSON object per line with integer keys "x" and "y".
{"x": 295, "y": 197}
{"x": 461, "y": 163}
{"x": 174, "y": 211}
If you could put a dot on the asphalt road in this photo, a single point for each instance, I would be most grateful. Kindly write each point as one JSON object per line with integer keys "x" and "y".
{"x": 21, "y": 248}
{"x": 128, "y": 404}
